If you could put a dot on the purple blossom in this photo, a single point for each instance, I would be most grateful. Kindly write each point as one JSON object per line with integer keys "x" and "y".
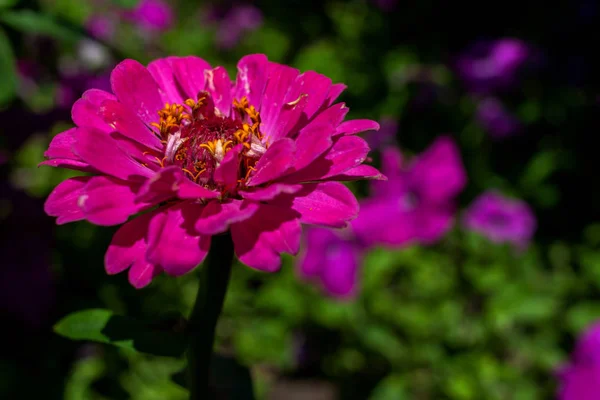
{"x": 495, "y": 119}
{"x": 415, "y": 205}
{"x": 580, "y": 378}
{"x": 331, "y": 259}
{"x": 101, "y": 26}
{"x": 492, "y": 65}
{"x": 151, "y": 15}
{"x": 501, "y": 219}
{"x": 233, "y": 22}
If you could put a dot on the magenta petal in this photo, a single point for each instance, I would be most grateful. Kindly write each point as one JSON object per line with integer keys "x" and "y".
{"x": 391, "y": 166}
{"x": 109, "y": 201}
{"x": 164, "y": 75}
{"x": 187, "y": 189}
{"x": 218, "y": 84}
{"x": 142, "y": 272}
{"x": 334, "y": 92}
{"x": 259, "y": 240}
{"x": 315, "y": 86}
{"x": 357, "y": 125}
{"x": 333, "y": 115}
{"x": 325, "y": 203}
{"x": 312, "y": 141}
{"x": 162, "y": 186}
{"x": 61, "y": 155}
{"x": 85, "y": 110}
{"x": 172, "y": 242}
{"x": 251, "y": 78}
{"x": 291, "y": 118}
{"x": 134, "y": 86}
{"x": 62, "y": 202}
{"x": 438, "y": 172}
{"x": 347, "y": 152}
{"x": 280, "y": 79}
{"x": 128, "y": 244}
{"x": 102, "y": 152}
{"x": 316, "y": 243}
{"x": 361, "y": 172}
{"x": 227, "y": 172}
{"x": 275, "y": 162}
{"x": 216, "y": 216}
{"x": 189, "y": 72}
{"x": 340, "y": 277}
{"x": 127, "y": 123}
{"x": 269, "y": 192}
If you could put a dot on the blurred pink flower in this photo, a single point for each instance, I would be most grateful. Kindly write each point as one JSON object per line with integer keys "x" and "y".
{"x": 199, "y": 155}
{"x": 580, "y": 378}
{"x": 501, "y": 219}
{"x": 152, "y": 15}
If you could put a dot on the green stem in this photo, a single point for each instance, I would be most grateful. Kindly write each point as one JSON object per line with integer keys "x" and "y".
{"x": 203, "y": 320}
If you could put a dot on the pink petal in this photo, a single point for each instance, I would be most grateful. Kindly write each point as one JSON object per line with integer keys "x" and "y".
{"x": 168, "y": 183}
{"x": 85, "y": 110}
{"x": 128, "y": 244}
{"x": 391, "y": 166}
{"x": 62, "y": 202}
{"x": 227, "y": 173}
{"x": 101, "y": 152}
{"x": 259, "y": 240}
{"x": 218, "y": 84}
{"x": 334, "y": 92}
{"x": 291, "y": 118}
{"x": 251, "y": 78}
{"x": 269, "y": 192}
{"x": 333, "y": 115}
{"x": 313, "y": 84}
{"x": 134, "y": 87}
{"x": 142, "y": 272}
{"x": 340, "y": 276}
{"x": 172, "y": 242}
{"x": 61, "y": 155}
{"x": 280, "y": 79}
{"x": 275, "y": 162}
{"x": 217, "y": 216}
{"x": 163, "y": 73}
{"x": 357, "y": 125}
{"x": 325, "y": 203}
{"x": 312, "y": 141}
{"x": 109, "y": 201}
{"x": 347, "y": 152}
{"x": 361, "y": 172}
{"x": 127, "y": 123}
{"x": 189, "y": 72}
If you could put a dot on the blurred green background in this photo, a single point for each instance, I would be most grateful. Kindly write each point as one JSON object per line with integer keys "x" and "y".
{"x": 462, "y": 319}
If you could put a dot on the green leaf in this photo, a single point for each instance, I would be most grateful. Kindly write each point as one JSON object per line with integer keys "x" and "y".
{"x": 31, "y": 22}
{"x": 126, "y": 3}
{"x": 8, "y": 83}
{"x": 104, "y": 326}
{"x": 8, "y": 3}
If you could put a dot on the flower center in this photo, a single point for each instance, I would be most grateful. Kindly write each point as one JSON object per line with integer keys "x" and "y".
{"x": 197, "y": 136}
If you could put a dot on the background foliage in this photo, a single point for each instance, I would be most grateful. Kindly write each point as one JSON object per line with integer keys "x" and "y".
{"x": 463, "y": 319}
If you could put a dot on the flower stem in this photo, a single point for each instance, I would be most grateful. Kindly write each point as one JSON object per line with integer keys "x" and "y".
{"x": 203, "y": 320}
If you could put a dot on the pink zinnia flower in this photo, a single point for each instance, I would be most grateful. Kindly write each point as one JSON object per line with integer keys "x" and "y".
{"x": 198, "y": 155}
{"x": 580, "y": 378}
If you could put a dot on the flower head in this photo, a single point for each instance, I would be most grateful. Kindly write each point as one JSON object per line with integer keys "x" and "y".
{"x": 198, "y": 155}
{"x": 501, "y": 219}
{"x": 331, "y": 259}
{"x": 151, "y": 15}
{"x": 580, "y": 379}
{"x": 492, "y": 65}
{"x": 416, "y": 204}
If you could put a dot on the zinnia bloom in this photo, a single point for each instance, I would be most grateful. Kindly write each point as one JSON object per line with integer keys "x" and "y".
{"x": 198, "y": 155}
{"x": 492, "y": 65}
{"x": 501, "y": 219}
{"x": 580, "y": 379}
{"x": 331, "y": 259}
{"x": 415, "y": 205}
